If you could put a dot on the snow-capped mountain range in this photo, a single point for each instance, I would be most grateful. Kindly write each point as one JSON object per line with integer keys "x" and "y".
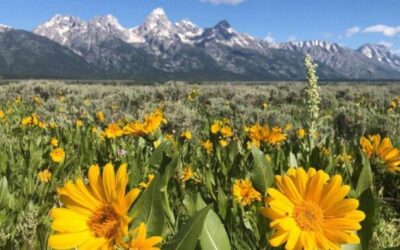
{"x": 161, "y": 49}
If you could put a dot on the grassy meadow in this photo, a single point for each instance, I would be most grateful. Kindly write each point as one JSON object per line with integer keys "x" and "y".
{"x": 210, "y": 166}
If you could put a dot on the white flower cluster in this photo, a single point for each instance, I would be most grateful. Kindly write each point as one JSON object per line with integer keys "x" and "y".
{"x": 313, "y": 98}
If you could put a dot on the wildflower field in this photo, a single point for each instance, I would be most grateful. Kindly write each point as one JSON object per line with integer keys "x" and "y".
{"x": 179, "y": 166}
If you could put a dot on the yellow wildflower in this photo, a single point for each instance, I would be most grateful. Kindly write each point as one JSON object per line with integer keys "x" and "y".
{"x": 79, "y": 123}
{"x": 244, "y": 192}
{"x": 94, "y": 215}
{"x": 150, "y": 124}
{"x": 186, "y": 135}
{"x": 26, "y": 121}
{"x": 113, "y": 131}
{"x": 226, "y": 131}
{"x": 223, "y": 143}
{"x": 309, "y": 210}
{"x": 100, "y": 116}
{"x": 44, "y": 176}
{"x": 301, "y": 133}
{"x": 54, "y": 142}
{"x": 208, "y": 146}
{"x": 57, "y": 155}
{"x": 215, "y": 127}
{"x": 187, "y": 174}
{"x": 383, "y": 150}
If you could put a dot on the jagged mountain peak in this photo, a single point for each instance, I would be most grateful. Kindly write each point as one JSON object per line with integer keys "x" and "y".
{"x": 60, "y": 19}
{"x": 187, "y": 30}
{"x": 107, "y": 22}
{"x": 158, "y": 13}
{"x": 222, "y": 25}
{"x": 157, "y": 16}
{"x": 187, "y": 24}
{"x": 106, "y": 19}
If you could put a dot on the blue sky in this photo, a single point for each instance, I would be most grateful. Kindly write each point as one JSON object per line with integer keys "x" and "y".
{"x": 348, "y": 22}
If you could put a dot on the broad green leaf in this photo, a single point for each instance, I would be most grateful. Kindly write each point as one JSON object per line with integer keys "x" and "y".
{"x": 149, "y": 210}
{"x": 213, "y": 236}
{"x": 169, "y": 171}
{"x": 369, "y": 206}
{"x": 190, "y": 203}
{"x": 263, "y": 174}
{"x": 365, "y": 180}
{"x": 188, "y": 236}
{"x": 157, "y": 156}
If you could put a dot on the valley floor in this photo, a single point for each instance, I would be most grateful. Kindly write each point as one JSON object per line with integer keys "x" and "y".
{"x": 186, "y": 146}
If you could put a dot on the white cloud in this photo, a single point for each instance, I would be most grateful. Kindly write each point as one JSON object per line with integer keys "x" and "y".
{"x": 387, "y": 44}
{"x": 384, "y": 29}
{"x": 353, "y": 30}
{"x": 232, "y": 2}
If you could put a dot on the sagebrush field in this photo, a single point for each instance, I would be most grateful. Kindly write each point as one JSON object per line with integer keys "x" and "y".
{"x": 199, "y": 166}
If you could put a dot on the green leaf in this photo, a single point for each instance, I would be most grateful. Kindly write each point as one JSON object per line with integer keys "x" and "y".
{"x": 157, "y": 156}
{"x": 149, "y": 210}
{"x": 4, "y": 192}
{"x": 3, "y": 161}
{"x": 222, "y": 203}
{"x": 369, "y": 206}
{"x": 365, "y": 180}
{"x": 188, "y": 236}
{"x": 263, "y": 174}
{"x": 292, "y": 160}
{"x": 169, "y": 171}
{"x": 213, "y": 235}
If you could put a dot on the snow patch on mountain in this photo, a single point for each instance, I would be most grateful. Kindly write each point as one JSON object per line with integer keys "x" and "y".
{"x": 381, "y": 53}
{"x": 303, "y": 45}
{"x": 4, "y": 28}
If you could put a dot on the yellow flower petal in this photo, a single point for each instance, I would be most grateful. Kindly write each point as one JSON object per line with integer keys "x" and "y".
{"x": 69, "y": 240}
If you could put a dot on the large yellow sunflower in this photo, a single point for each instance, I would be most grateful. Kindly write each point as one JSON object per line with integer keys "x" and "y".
{"x": 309, "y": 210}
{"x": 94, "y": 214}
{"x": 384, "y": 150}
